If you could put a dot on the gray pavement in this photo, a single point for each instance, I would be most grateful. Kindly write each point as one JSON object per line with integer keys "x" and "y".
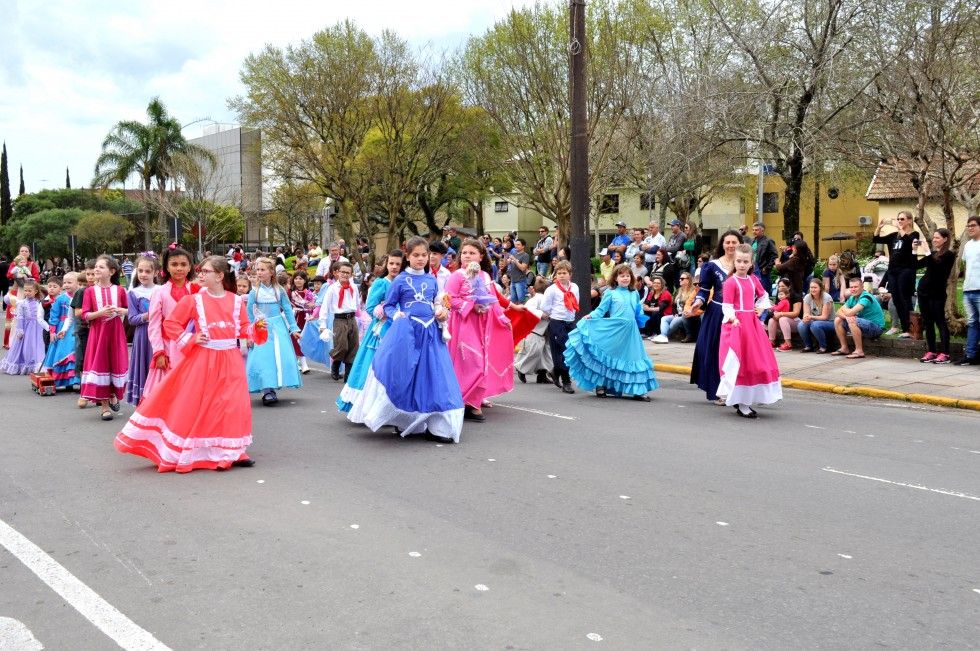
{"x": 672, "y": 524}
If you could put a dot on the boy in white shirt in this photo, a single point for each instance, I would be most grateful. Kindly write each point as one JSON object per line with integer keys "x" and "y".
{"x": 560, "y": 304}
{"x": 338, "y": 316}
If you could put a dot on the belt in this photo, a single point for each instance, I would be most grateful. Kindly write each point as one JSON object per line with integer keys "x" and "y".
{"x": 221, "y": 344}
{"x": 344, "y": 315}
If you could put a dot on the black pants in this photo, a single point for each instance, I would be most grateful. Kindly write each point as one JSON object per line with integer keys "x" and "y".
{"x": 933, "y": 310}
{"x": 557, "y": 338}
{"x": 901, "y": 285}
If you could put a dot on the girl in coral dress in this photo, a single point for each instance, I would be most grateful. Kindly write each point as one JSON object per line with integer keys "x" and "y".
{"x": 177, "y": 272}
{"x": 105, "y": 306}
{"x": 200, "y": 415}
{"x": 749, "y": 373}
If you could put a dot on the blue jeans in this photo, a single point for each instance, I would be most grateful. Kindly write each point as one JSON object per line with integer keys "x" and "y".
{"x": 869, "y": 329}
{"x": 971, "y": 305}
{"x": 518, "y": 290}
{"x": 543, "y": 268}
{"x": 820, "y": 330}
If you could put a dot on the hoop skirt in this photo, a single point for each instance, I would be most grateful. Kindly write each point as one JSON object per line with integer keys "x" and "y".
{"x": 200, "y": 415}
{"x": 608, "y": 352}
{"x": 749, "y": 371}
{"x": 368, "y": 348}
{"x": 411, "y": 384}
{"x": 141, "y": 353}
{"x": 705, "y": 371}
{"x": 60, "y": 359}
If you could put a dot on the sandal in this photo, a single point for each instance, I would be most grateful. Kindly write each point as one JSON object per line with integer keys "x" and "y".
{"x": 600, "y": 392}
{"x": 821, "y": 351}
{"x": 643, "y": 398}
{"x": 107, "y": 414}
{"x": 856, "y": 356}
{"x": 840, "y": 352}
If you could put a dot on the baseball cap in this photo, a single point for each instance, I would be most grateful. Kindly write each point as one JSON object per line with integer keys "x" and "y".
{"x": 604, "y": 252}
{"x": 676, "y": 222}
{"x": 621, "y": 223}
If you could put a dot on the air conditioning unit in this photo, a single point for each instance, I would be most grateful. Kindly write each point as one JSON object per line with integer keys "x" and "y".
{"x": 864, "y": 220}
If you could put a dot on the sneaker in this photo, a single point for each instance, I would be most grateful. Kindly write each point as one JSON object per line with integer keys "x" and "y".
{"x": 785, "y": 346}
{"x": 905, "y": 335}
{"x": 928, "y": 357}
{"x": 942, "y": 358}
{"x": 659, "y": 339}
{"x": 891, "y": 331}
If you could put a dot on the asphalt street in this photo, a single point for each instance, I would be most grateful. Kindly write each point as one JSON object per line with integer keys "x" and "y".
{"x": 563, "y": 522}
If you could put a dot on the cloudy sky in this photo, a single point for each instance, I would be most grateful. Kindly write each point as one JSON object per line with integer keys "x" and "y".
{"x": 71, "y": 69}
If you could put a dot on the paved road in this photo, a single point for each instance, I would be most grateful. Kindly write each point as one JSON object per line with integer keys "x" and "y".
{"x": 665, "y": 525}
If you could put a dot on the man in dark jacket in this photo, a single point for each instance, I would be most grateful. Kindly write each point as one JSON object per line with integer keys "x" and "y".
{"x": 764, "y": 254}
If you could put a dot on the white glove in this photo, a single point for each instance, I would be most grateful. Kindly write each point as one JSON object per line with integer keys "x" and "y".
{"x": 326, "y": 336}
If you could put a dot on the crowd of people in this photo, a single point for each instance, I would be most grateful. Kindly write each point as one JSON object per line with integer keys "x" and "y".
{"x": 425, "y": 337}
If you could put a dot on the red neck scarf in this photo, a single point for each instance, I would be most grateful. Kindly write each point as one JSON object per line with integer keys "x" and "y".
{"x": 186, "y": 289}
{"x": 571, "y": 303}
{"x": 345, "y": 288}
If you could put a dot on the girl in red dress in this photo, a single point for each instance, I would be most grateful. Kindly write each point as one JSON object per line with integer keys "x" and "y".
{"x": 199, "y": 415}
{"x": 105, "y": 306}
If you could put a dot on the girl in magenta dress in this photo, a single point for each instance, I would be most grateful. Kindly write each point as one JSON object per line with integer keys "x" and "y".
{"x": 105, "y": 306}
{"x": 749, "y": 373}
{"x": 177, "y": 273}
{"x": 481, "y": 342}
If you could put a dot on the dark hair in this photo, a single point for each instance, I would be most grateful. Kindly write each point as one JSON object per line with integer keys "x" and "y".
{"x": 521, "y": 240}
{"x": 973, "y": 218}
{"x": 318, "y": 279}
{"x": 945, "y": 247}
{"x": 113, "y": 267}
{"x": 438, "y": 247}
{"x": 485, "y": 259}
{"x": 304, "y": 276}
{"x": 30, "y": 282}
{"x": 412, "y": 244}
{"x": 720, "y": 247}
{"x": 57, "y": 280}
{"x": 175, "y": 252}
{"x": 220, "y": 264}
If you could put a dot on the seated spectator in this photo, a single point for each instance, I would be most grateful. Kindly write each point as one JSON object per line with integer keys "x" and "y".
{"x": 670, "y": 324}
{"x": 785, "y": 315}
{"x": 693, "y": 313}
{"x": 832, "y": 277}
{"x": 663, "y": 267}
{"x": 818, "y": 317}
{"x": 606, "y": 264}
{"x": 874, "y": 272}
{"x": 638, "y": 266}
{"x": 657, "y": 303}
{"x": 860, "y": 315}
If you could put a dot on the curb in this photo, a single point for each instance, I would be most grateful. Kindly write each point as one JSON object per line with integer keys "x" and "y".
{"x": 866, "y": 392}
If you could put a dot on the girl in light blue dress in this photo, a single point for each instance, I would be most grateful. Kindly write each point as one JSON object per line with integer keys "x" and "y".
{"x": 272, "y": 365}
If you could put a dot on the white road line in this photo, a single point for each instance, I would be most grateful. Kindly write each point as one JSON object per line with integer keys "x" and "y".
{"x": 814, "y": 427}
{"x": 535, "y": 411}
{"x": 122, "y": 630}
{"x": 15, "y": 636}
{"x": 966, "y": 496}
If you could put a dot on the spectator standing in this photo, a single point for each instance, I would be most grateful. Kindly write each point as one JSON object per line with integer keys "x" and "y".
{"x": 325, "y": 264}
{"x": 544, "y": 251}
{"x": 691, "y": 247}
{"x": 621, "y": 240}
{"x": 861, "y": 315}
{"x": 971, "y": 292}
{"x": 634, "y": 246}
{"x": 677, "y": 239}
{"x": 901, "y": 265}
{"x": 664, "y": 268}
{"x": 517, "y": 266}
{"x": 764, "y": 255}
{"x": 932, "y": 296}
{"x": 453, "y": 241}
{"x": 653, "y": 242}
{"x": 127, "y": 272}
{"x": 796, "y": 266}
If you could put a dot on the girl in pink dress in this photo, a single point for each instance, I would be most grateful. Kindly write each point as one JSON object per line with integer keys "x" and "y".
{"x": 177, "y": 273}
{"x": 749, "y": 373}
{"x": 481, "y": 343}
{"x": 105, "y": 306}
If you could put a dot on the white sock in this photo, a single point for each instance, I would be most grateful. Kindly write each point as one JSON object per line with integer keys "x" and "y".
{"x": 745, "y": 409}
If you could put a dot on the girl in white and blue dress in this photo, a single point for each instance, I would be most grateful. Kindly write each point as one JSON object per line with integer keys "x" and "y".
{"x": 272, "y": 365}
{"x": 605, "y": 352}
{"x": 374, "y": 305}
{"x": 412, "y": 385}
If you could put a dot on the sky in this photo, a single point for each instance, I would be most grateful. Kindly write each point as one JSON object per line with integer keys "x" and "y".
{"x": 71, "y": 69}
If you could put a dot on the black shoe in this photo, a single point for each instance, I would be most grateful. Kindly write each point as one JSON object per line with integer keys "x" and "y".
{"x": 567, "y": 388}
{"x": 556, "y": 379}
{"x": 335, "y": 371}
{"x": 543, "y": 378}
{"x": 469, "y": 414}
{"x": 643, "y": 398}
{"x": 243, "y": 463}
{"x": 429, "y": 436}
{"x": 751, "y": 413}
{"x": 269, "y": 398}
{"x": 966, "y": 361}
{"x": 600, "y": 392}
{"x": 522, "y": 377}
{"x": 114, "y": 406}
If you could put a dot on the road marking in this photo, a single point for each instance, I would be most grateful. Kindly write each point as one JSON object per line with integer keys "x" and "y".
{"x": 722, "y": 524}
{"x": 595, "y": 637}
{"x": 849, "y": 431}
{"x": 305, "y": 502}
{"x": 552, "y": 476}
{"x": 624, "y": 497}
{"x": 845, "y": 556}
{"x": 481, "y": 587}
{"x": 536, "y": 411}
{"x": 122, "y": 630}
{"x": 814, "y": 427}
{"x": 414, "y": 554}
{"x": 870, "y": 436}
{"x": 15, "y": 635}
{"x": 355, "y": 526}
{"x": 977, "y": 590}
{"x": 899, "y": 483}
{"x": 491, "y": 459}
{"x": 259, "y": 481}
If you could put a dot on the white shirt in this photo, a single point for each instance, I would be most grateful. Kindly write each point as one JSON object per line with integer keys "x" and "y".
{"x": 331, "y": 300}
{"x": 553, "y": 303}
{"x": 971, "y": 255}
{"x": 441, "y": 277}
{"x": 323, "y": 268}
{"x": 650, "y": 241}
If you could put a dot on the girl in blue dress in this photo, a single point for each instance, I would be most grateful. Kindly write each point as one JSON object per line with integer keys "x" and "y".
{"x": 374, "y": 305}
{"x": 605, "y": 352}
{"x": 705, "y": 370}
{"x": 411, "y": 384}
{"x": 271, "y": 365}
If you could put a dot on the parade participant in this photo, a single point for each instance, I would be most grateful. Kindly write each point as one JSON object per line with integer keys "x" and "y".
{"x": 177, "y": 273}
{"x": 310, "y": 344}
{"x": 105, "y": 306}
{"x": 199, "y": 416}
{"x": 932, "y": 296}
{"x": 85, "y": 279}
{"x": 374, "y": 305}
{"x": 139, "y": 316}
{"x": 482, "y": 342}
{"x": 437, "y": 251}
{"x": 749, "y": 373}
{"x": 605, "y": 352}
{"x": 338, "y": 317}
{"x": 534, "y": 353}
{"x": 303, "y": 302}
{"x": 27, "y": 334}
{"x": 243, "y": 285}
{"x": 60, "y": 359}
{"x": 704, "y": 369}
{"x": 560, "y": 305}
{"x": 271, "y": 365}
{"x": 411, "y": 384}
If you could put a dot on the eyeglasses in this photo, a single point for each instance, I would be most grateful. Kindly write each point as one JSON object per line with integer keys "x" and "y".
{"x": 902, "y": 219}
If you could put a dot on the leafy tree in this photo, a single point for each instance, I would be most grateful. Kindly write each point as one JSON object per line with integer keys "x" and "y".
{"x": 6, "y": 208}
{"x": 216, "y": 223}
{"x": 114, "y": 201}
{"x": 101, "y": 232}
{"x": 48, "y": 229}
{"x": 296, "y": 214}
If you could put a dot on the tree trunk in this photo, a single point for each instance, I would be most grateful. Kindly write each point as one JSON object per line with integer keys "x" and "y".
{"x": 794, "y": 189}
{"x": 957, "y": 324}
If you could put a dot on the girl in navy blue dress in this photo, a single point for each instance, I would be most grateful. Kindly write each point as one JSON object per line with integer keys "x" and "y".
{"x": 412, "y": 385}
{"x": 705, "y": 370}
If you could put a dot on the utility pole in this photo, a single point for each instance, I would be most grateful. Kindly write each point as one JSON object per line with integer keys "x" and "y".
{"x": 579, "y": 172}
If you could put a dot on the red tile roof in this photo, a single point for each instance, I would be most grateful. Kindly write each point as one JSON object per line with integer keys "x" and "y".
{"x": 893, "y": 181}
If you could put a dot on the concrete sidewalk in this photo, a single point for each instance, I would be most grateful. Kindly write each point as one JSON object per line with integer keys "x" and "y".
{"x": 885, "y": 377}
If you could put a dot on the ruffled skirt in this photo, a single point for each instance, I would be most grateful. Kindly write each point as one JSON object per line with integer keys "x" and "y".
{"x": 609, "y": 353}
{"x": 60, "y": 360}
{"x": 362, "y": 364}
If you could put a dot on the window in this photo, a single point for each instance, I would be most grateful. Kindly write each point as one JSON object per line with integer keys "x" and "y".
{"x": 501, "y": 206}
{"x": 647, "y": 201}
{"x": 770, "y": 202}
{"x": 609, "y": 204}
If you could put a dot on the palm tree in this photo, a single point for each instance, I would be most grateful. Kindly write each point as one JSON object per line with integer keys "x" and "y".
{"x": 152, "y": 151}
